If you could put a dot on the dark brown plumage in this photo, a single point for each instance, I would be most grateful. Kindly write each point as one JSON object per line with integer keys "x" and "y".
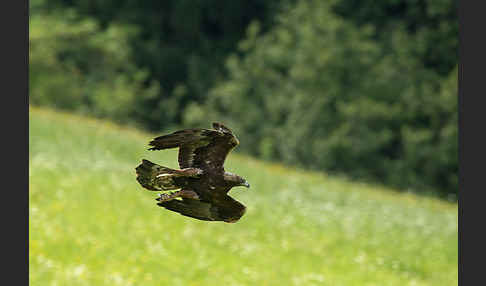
{"x": 202, "y": 180}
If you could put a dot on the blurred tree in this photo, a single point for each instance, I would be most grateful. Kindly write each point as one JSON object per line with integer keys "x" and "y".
{"x": 183, "y": 43}
{"x": 432, "y": 24}
{"x": 320, "y": 92}
{"x": 76, "y": 66}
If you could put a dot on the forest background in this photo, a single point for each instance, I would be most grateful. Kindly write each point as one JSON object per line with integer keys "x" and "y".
{"x": 362, "y": 89}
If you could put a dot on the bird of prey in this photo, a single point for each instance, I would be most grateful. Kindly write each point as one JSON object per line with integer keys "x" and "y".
{"x": 202, "y": 181}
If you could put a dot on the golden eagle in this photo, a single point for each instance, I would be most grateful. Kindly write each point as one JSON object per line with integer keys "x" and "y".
{"x": 202, "y": 180}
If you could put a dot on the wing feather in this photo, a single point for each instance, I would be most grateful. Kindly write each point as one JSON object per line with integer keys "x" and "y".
{"x": 199, "y": 148}
{"x": 227, "y": 209}
{"x": 194, "y": 137}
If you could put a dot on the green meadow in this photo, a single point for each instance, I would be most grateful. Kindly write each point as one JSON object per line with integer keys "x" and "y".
{"x": 91, "y": 223}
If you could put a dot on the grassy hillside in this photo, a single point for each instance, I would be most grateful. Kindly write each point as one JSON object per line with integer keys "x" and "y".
{"x": 92, "y": 224}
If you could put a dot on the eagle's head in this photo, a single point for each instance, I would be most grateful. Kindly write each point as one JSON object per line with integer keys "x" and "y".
{"x": 235, "y": 180}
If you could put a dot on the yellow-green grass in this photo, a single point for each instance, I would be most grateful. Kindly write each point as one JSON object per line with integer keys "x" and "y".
{"x": 92, "y": 224}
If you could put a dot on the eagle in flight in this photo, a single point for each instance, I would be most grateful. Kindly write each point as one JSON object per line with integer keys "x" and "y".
{"x": 202, "y": 181}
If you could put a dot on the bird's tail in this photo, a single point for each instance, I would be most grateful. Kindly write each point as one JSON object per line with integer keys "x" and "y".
{"x": 155, "y": 177}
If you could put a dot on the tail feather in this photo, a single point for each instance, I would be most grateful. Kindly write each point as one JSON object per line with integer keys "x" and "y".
{"x": 148, "y": 175}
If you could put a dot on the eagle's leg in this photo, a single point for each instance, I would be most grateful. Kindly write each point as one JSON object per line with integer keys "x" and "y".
{"x": 179, "y": 194}
{"x": 189, "y": 172}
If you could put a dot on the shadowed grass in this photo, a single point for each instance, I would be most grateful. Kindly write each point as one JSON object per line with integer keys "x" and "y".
{"x": 92, "y": 224}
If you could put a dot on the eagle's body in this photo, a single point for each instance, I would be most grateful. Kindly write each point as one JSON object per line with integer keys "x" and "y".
{"x": 202, "y": 180}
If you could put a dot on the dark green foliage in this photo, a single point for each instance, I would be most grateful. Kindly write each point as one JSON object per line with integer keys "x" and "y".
{"x": 320, "y": 92}
{"x": 432, "y": 24}
{"x": 75, "y": 65}
{"x": 182, "y": 43}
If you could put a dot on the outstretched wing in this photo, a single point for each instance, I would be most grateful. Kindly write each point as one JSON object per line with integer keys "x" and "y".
{"x": 225, "y": 209}
{"x": 199, "y": 148}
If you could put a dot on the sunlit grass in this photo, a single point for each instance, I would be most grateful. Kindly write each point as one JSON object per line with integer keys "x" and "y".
{"x": 92, "y": 224}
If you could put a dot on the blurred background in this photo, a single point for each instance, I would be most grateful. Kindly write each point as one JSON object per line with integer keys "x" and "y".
{"x": 364, "y": 91}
